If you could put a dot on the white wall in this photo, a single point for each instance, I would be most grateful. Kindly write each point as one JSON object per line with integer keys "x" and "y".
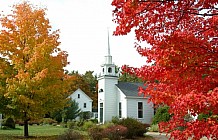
{"x": 83, "y": 99}
{"x": 122, "y": 99}
{"x": 132, "y": 110}
{"x": 111, "y": 102}
{"x": 108, "y": 98}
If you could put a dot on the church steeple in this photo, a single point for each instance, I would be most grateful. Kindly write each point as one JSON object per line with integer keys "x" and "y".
{"x": 108, "y": 68}
{"x": 107, "y": 81}
{"x": 108, "y": 57}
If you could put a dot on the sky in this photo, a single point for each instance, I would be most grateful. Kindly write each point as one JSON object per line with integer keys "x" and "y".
{"x": 84, "y": 26}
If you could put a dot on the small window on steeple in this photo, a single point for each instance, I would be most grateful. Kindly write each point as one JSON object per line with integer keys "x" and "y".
{"x": 103, "y": 70}
{"x": 109, "y": 69}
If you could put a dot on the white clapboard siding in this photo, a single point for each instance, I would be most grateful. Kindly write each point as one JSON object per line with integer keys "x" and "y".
{"x": 81, "y": 100}
{"x": 132, "y": 109}
{"x": 122, "y": 99}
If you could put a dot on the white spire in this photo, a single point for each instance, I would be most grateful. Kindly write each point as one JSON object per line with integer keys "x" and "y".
{"x": 108, "y": 57}
{"x": 108, "y": 39}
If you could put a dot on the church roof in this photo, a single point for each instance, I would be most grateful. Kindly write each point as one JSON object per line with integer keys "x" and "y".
{"x": 130, "y": 88}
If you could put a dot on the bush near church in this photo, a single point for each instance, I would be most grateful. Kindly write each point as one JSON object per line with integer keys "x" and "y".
{"x": 115, "y": 132}
{"x": 9, "y": 123}
{"x": 134, "y": 127}
{"x": 162, "y": 115}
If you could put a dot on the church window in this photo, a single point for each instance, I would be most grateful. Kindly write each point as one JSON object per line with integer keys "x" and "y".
{"x": 109, "y": 69}
{"x": 101, "y": 90}
{"x": 120, "y": 110}
{"x": 84, "y": 105}
{"x": 78, "y": 95}
{"x": 140, "y": 110}
{"x": 103, "y": 70}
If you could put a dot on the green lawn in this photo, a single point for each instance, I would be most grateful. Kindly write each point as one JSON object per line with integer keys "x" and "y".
{"x": 44, "y": 132}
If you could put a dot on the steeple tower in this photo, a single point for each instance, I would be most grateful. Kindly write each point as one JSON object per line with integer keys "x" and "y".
{"x": 107, "y": 81}
{"x": 108, "y": 68}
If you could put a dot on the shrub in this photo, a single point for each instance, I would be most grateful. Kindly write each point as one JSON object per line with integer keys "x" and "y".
{"x": 63, "y": 124}
{"x": 85, "y": 115}
{"x": 96, "y": 132}
{"x": 162, "y": 115}
{"x": 55, "y": 124}
{"x": 70, "y": 135}
{"x": 87, "y": 125}
{"x": 154, "y": 128}
{"x": 115, "y": 120}
{"x": 80, "y": 123}
{"x": 48, "y": 121}
{"x": 135, "y": 128}
{"x": 5, "y": 128}
{"x": 31, "y": 122}
{"x": 9, "y": 123}
{"x": 94, "y": 120}
{"x": 115, "y": 132}
{"x": 71, "y": 124}
{"x": 107, "y": 124}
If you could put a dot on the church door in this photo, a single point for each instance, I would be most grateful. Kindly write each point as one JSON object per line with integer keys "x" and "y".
{"x": 101, "y": 112}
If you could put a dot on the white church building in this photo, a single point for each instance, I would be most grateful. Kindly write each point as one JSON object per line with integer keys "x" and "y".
{"x": 120, "y": 99}
{"x": 83, "y": 100}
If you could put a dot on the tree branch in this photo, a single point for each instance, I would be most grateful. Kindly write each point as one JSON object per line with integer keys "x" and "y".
{"x": 193, "y": 13}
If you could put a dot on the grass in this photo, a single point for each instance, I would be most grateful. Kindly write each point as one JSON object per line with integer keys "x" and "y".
{"x": 148, "y": 137}
{"x": 47, "y": 132}
{"x": 36, "y": 132}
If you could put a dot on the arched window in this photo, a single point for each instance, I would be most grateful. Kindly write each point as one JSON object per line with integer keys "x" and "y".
{"x": 109, "y": 69}
{"x": 103, "y": 70}
{"x": 100, "y": 90}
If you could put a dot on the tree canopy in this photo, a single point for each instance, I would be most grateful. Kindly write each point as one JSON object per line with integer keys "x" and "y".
{"x": 86, "y": 82}
{"x": 127, "y": 77}
{"x": 31, "y": 65}
{"x": 183, "y": 35}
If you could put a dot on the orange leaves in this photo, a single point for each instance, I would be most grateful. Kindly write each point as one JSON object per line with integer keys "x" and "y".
{"x": 40, "y": 76}
{"x": 21, "y": 75}
{"x": 34, "y": 78}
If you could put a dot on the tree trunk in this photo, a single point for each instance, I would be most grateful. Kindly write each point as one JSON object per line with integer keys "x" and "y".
{"x": 26, "y": 132}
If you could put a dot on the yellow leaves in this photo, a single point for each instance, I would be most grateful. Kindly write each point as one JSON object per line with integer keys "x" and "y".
{"x": 25, "y": 100}
{"x": 33, "y": 70}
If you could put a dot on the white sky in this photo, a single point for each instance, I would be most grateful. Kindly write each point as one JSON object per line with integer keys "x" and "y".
{"x": 83, "y": 25}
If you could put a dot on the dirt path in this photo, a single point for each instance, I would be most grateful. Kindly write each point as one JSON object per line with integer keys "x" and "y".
{"x": 158, "y": 136}
{"x": 161, "y": 136}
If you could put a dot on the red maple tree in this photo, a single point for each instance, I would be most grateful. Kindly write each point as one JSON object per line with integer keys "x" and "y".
{"x": 184, "y": 53}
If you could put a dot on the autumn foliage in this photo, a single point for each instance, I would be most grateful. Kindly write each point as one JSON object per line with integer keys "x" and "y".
{"x": 184, "y": 53}
{"x": 31, "y": 65}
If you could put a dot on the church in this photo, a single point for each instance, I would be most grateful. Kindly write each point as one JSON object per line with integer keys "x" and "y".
{"x": 120, "y": 99}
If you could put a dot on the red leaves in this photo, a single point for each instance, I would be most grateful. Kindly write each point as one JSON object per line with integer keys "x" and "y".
{"x": 196, "y": 103}
{"x": 193, "y": 104}
{"x": 184, "y": 51}
{"x": 195, "y": 129}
